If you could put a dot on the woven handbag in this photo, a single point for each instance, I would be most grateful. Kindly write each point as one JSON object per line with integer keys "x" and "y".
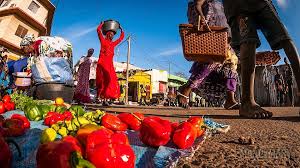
{"x": 204, "y": 45}
{"x": 267, "y": 58}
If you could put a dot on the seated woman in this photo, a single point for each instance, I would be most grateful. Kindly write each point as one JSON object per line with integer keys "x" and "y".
{"x": 211, "y": 80}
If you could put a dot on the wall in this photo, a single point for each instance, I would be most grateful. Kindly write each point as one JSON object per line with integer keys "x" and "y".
{"x": 41, "y": 14}
{"x": 12, "y": 28}
{"x": 157, "y": 76}
{"x": 3, "y": 24}
{"x": 142, "y": 78}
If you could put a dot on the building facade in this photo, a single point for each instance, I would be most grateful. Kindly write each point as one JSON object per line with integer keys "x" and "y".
{"x": 21, "y": 17}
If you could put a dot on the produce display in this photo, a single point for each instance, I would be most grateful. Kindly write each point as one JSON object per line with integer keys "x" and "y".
{"x": 6, "y": 104}
{"x": 77, "y": 138}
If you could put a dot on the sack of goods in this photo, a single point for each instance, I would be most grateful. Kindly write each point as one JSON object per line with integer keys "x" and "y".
{"x": 54, "y": 62}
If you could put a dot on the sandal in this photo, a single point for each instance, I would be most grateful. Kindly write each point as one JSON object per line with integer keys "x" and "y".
{"x": 181, "y": 104}
{"x": 235, "y": 106}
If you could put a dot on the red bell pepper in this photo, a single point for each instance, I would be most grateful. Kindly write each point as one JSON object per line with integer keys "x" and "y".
{"x": 26, "y": 123}
{"x": 109, "y": 150}
{"x": 133, "y": 120}
{"x": 9, "y": 106}
{"x": 174, "y": 127}
{"x": 155, "y": 131}
{"x": 198, "y": 123}
{"x": 67, "y": 115}
{"x": 51, "y": 118}
{"x": 113, "y": 122}
{"x": 2, "y": 108}
{"x": 74, "y": 142}
{"x": 185, "y": 135}
{"x": 6, "y": 99}
{"x": 5, "y": 153}
{"x": 14, "y": 126}
{"x": 60, "y": 154}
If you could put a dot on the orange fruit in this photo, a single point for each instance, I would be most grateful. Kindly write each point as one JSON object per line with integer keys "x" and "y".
{"x": 59, "y": 101}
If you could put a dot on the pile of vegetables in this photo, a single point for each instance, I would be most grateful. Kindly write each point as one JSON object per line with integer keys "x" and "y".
{"x": 68, "y": 123}
{"x": 6, "y": 104}
{"x": 76, "y": 138}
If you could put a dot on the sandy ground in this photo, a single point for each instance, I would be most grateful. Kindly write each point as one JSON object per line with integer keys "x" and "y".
{"x": 275, "y": 142}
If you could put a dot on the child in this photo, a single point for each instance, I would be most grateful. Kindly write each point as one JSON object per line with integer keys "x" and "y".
{"x": 244, "y": 18}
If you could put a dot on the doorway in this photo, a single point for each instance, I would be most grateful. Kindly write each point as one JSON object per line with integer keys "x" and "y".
{"x": 133, "y": 91}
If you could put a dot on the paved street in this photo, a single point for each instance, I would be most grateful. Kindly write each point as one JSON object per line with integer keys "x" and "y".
{"x": 276, "y": 142}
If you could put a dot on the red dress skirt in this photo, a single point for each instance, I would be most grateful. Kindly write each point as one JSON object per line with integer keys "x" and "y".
{"x": 106, "y": 77}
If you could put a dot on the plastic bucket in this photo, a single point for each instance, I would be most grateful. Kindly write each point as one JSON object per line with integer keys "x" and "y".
{"x": 23, "y": 79}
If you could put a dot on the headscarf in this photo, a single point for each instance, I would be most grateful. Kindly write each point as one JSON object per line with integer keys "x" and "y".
{"x": 27, "y": 40}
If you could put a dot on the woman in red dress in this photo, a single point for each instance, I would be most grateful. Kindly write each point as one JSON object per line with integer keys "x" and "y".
{"x": 106, "y": 77}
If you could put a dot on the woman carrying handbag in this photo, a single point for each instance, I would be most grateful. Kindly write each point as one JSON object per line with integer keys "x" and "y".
{"x": 211, "y": 79}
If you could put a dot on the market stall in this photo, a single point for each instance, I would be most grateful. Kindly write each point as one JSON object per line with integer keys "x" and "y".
{"x": 54, "y": 133}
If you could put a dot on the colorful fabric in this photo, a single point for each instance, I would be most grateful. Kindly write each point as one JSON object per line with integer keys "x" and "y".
{"x": 82, "y": 91}
{"x": 106, "y": 77}
{"x": 27, "y": 40}
{"x": 213, "y": 11}
{"x": 50, "y": 45}
{"x": 52, "y": 70}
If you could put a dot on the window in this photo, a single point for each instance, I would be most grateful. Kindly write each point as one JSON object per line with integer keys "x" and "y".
{"x": 21, "y": 31}
{"x": 5, "y": 3}
{"x": 34, "y": 7}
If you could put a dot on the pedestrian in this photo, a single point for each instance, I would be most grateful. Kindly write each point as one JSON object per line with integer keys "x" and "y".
{"x": 280, "y": 87}
{"x": 106, "y": 78}
{"x": 143, "y": 95}
{"x": 211, "y": 74}
{"x": 244, "y": 18}
{"x": 4, "y": 81}
{"x": 82, "y": 91}
{"x": 288, "y": 76}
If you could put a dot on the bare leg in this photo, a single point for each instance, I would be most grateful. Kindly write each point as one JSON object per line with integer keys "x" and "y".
{"x": 231, "y": 103}
{"x": 185, "y": 90}
{"x": 249, "y": 108}
{"x": 293, "y": 56}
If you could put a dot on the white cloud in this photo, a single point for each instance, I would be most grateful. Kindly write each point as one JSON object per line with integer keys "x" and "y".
{"x": 170, "y": 52}
{"x": 76, "y": 32}
{"x": 83, "y": 32}
{"x": 282, "y": 3}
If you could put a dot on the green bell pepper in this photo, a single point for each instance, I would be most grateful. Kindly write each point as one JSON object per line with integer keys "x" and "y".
{"x": 33, "y": 113}
{"x": 60, "y": 109}
{"x": 77, "y": 110}
{"x": 44, "y": 109}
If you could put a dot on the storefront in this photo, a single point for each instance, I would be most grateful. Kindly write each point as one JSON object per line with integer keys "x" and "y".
{"x": 135, "y": 82}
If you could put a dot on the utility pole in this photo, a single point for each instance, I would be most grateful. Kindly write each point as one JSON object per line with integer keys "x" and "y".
{"x": 127, "y": 69}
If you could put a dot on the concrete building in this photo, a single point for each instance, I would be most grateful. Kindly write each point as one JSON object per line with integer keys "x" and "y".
{"x": 21, "y": 17}
{"x": 159, "y": 80}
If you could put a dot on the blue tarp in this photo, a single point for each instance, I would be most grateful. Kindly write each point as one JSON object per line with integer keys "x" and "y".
{"x": 146, "y": 157}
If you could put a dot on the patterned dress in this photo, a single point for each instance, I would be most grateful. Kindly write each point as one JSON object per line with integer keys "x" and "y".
{"x": 82, "y": 91}
{"x": 211, "y": 81}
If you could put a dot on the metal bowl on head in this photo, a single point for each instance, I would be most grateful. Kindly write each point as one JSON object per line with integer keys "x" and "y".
{"x": 110, "y": 25}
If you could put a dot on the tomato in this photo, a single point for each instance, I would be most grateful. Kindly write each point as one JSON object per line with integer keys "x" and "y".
{"x": 9, "y": 106}
{"x": 2, "y": 108}
{"x": 6, "y": 99}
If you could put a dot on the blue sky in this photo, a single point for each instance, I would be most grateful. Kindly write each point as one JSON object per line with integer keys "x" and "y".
{"x": 153, "y": 25}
